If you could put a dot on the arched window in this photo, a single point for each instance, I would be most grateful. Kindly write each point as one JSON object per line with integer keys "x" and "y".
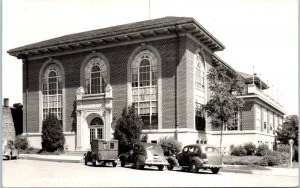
{"x": 199, "y": 80}
{"x": 52, "y": 91}
{"x": 200, "y": 121}
{"x": 96, "y": 129}
{"x": 144, "y": 88}
{"x": 95, "y": 76}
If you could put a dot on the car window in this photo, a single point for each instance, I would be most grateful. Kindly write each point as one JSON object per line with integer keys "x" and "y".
{"x": 155, "y": 149}
{"x": 211, "y": 150}
{"x": 185, "y": 150}
{"x": 196, "y": 150}
{"x": 191, "y": 150}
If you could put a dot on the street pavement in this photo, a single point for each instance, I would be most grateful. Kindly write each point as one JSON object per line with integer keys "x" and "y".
{"x": 77, "y": 158}
{"x": 37, "y": 173}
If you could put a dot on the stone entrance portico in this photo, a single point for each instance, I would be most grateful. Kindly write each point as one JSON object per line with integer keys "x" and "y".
{"x": 88, "y": 108}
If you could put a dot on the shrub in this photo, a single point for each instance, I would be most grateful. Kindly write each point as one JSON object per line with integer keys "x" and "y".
{"x": 250, "y": 148}
{"x": 244, "y": 160}
{"x": 21, "y": 142}
{"x": 283, "y": 157}
{"x": 271, "y": 159}
{"x": 238, "y": 150}
{"x": 283, "y": 148}
{"x": 52, "y": 134}
{"x": 262, "y": 150}
{"x": 169, "y": 145}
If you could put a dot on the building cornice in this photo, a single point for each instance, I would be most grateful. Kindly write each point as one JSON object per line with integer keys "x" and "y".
{"x": 91, "y": 39}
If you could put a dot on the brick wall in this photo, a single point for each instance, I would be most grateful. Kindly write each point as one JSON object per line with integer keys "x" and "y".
{"x": 118, "y": 59}
{"x": 8, "y": 129}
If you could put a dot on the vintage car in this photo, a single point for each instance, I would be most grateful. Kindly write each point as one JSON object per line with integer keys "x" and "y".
{"x": 194, "y": 157}
{"x": 103, "y": 152}
{"x": 144, "y": 154}
{"x": 9, "y": 150}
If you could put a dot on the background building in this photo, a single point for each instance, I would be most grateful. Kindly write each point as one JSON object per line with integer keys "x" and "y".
{"x": 160, "y": 65}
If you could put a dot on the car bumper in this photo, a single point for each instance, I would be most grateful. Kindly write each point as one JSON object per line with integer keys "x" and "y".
{"x": 154, "y": 163}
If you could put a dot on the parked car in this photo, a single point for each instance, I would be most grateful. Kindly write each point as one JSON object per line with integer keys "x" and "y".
{"x": 144, "y": 154}
{"x": 102, "y": 151}
{"x": 9, "y": 150}
{"x": 194, "y": 157}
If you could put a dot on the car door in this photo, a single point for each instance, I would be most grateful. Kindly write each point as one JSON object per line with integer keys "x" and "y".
{"x": 185, "y": 156}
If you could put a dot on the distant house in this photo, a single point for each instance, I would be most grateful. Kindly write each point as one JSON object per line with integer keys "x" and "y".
{"x": 160, "y": 65}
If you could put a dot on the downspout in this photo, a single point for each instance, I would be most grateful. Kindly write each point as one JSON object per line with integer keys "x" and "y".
{"x": 175, "y": 79}
{"x": 25, "y": 63}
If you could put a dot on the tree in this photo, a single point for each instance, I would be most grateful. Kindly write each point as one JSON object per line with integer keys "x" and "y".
{"x": 289, "y": 130}
{"x": 128, "y": 129}
{"x": 53, "y": 138}
{"x": 223, "y": 104}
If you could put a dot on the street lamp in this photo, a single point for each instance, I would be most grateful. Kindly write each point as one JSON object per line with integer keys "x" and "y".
{"x": 291, "y": 142}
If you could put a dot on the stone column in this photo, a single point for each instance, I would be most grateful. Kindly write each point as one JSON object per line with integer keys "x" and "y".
{"x": 108, "y": 111}
{"x": 79, "y": 117}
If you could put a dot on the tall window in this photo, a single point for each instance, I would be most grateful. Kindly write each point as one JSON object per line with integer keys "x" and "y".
{"x": 199, "y": 80}
{"x": 96, "y": 129}
{"x": 258, "y": 117}
{"x": 144, "y": 88}
{"x": 95, "y": 76}
{"x": 52, "y": 91}
{"x": 199, "y": 93}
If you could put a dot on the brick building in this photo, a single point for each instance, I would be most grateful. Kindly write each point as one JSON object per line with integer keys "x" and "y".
{"x": 87, "y": 78}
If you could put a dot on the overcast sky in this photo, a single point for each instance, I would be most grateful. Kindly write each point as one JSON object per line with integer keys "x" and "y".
{"x": 259, "y": 33}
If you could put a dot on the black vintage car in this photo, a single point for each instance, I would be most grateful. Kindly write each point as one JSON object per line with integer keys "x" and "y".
{"x": 194, "y": 157}
{"x": 144, "y": 154}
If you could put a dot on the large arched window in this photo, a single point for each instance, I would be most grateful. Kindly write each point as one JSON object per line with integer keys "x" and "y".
{"x": 200, "y": 121}
{"x": 95, "y": 76}
{"x": 144, "y": 88}
{"x": 52, "y": 91}
{"x": 199, "y": 80}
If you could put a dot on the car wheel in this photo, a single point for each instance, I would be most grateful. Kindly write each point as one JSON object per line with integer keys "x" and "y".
{"x": 215, "y": 170}
{"x": 139, "y": 166}
{"x": 94, "y": 162}
{"x": 170, "y": 167}
{"x": 114, "y": 164}
{"x": 10, "y": 156}
{"x": 123, "y": 163}
{"x": 194, "y": 168}
{"x": 160, "y": 167}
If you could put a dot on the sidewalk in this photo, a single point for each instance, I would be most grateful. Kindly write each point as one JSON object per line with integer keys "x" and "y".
{"x": 67, "y": 158}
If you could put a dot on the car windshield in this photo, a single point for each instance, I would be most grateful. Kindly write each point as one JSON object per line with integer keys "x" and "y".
{"x": 155, "y": 149}
{"x": 211, "y": 150}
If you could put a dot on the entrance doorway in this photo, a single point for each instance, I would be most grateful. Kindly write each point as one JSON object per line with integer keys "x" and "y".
{"x": 96, "y": 129}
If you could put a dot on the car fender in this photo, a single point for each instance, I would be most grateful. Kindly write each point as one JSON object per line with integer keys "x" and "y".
{"x": 141, "y": 159}
{"x": 173, "y": 161}
{"x": 124, "y": 157}
{"x": 199, "y": 162}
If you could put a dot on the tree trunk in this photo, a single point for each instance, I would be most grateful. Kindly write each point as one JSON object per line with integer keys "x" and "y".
{"x": 221, "y": 136}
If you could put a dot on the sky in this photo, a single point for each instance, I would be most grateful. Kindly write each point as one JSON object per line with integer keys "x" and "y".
{"x": 256, "y": 33}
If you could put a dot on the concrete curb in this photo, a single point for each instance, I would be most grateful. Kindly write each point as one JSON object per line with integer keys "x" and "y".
{"x": 237, "y": 171}
{"x": 51, "y": 160}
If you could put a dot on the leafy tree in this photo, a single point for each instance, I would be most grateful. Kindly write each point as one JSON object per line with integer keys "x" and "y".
{"x": 53, "y": 138}
{"x": 289, "y": 130}
{"x": 128, "y": 129}
{"x": 223, "y": 104}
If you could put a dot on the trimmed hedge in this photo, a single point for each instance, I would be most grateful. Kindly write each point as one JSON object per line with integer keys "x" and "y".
{"x": 250, "y": 148}
{"x": 169, "y": 145}
{"x": 262, "y": 150}
{"x": 238, "y": 150}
